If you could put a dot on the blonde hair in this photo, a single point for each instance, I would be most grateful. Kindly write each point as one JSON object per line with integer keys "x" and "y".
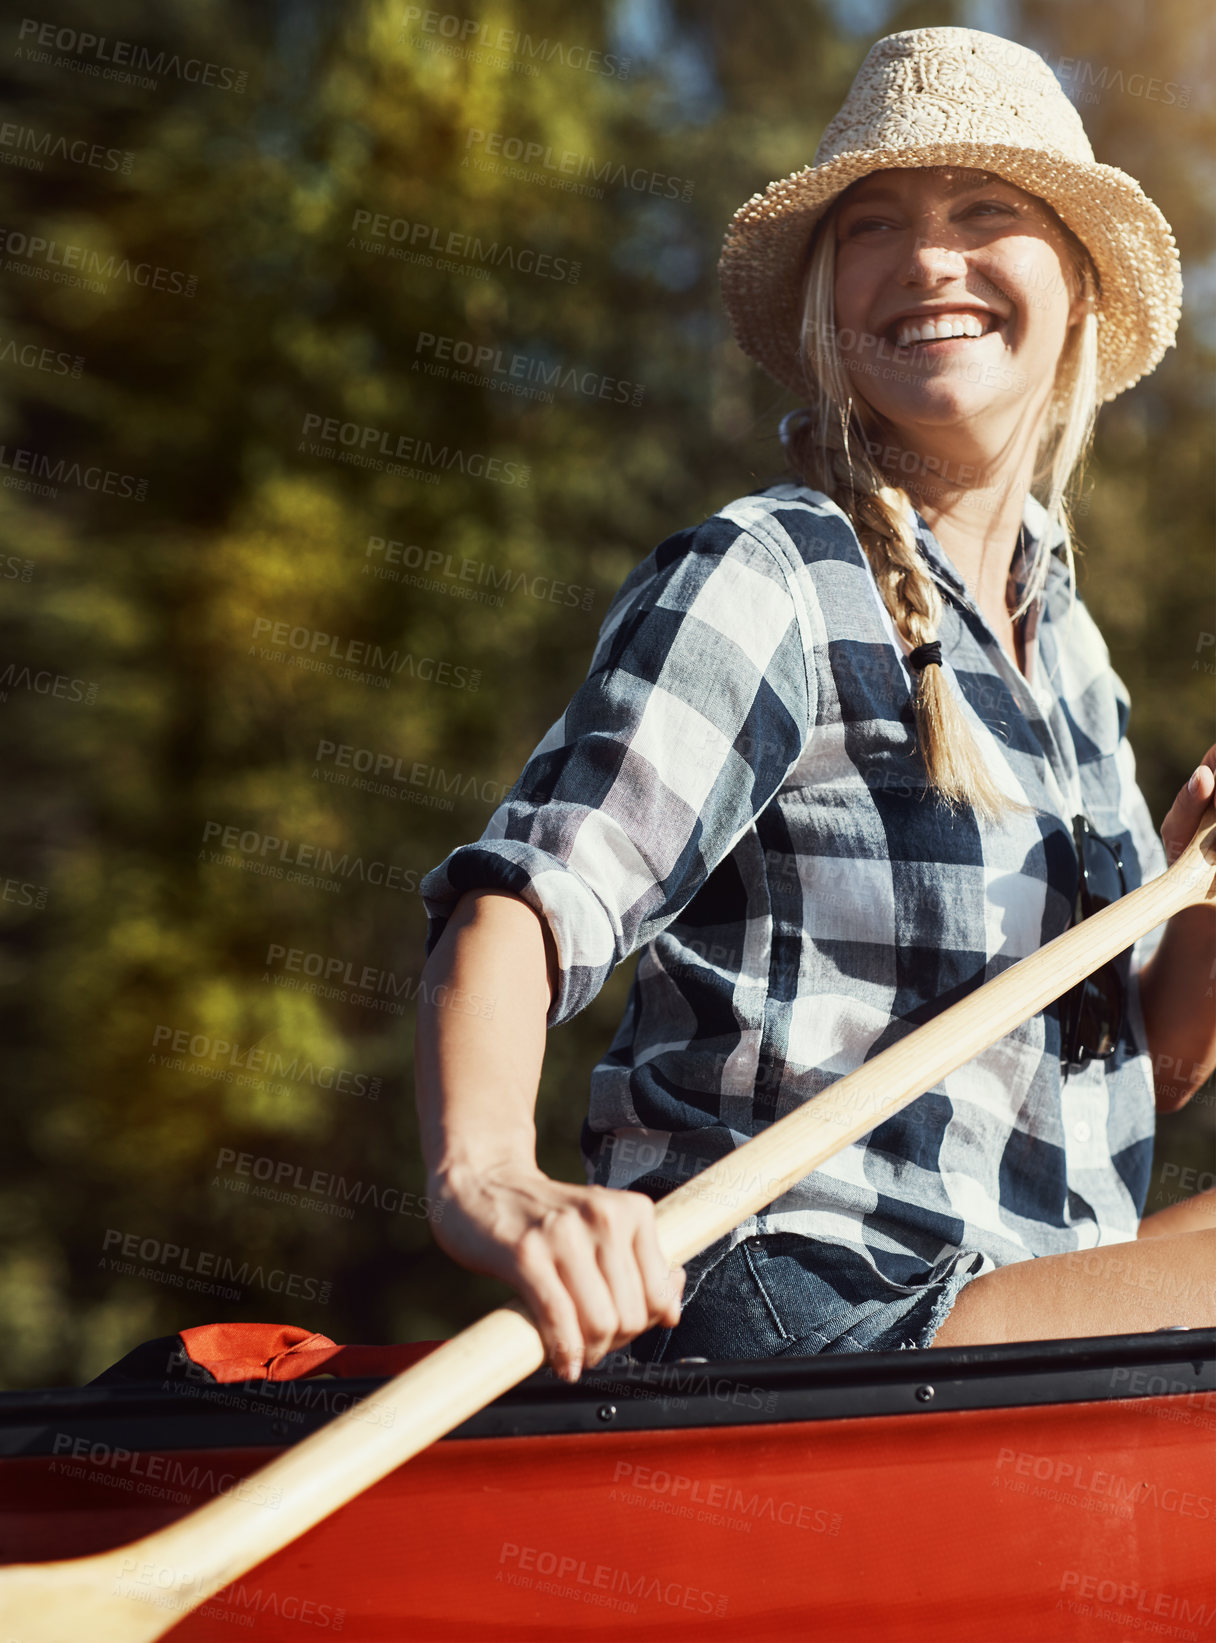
{"x": 826, "y": 444}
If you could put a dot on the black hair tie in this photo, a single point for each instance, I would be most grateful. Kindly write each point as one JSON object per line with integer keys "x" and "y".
{"x": 924, "y": 656}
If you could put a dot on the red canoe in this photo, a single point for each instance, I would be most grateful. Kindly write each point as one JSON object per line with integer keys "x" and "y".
{"x": 1061, "y": 1490}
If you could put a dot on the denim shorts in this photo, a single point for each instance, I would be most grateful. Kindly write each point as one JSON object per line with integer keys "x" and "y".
{"x": 781, "y": 1293}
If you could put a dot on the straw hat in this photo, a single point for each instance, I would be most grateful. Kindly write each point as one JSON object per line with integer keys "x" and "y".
{"x": 957, "y": 97}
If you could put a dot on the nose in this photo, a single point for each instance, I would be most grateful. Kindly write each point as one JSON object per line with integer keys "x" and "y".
{"x": 931, "y": 259}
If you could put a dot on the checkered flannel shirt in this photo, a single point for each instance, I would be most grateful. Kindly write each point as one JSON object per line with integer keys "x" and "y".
{"x": 735, "y": 793}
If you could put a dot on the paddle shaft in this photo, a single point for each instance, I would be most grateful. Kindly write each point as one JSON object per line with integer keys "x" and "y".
{"x": 716, "y": 1200}
{"x": 135, "y": 1593}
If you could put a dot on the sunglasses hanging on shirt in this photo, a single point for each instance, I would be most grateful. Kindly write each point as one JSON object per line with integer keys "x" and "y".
{"x": 1091, "y": 1015}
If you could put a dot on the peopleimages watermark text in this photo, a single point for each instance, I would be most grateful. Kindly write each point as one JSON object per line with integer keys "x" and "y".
{"x": 119, "y": 57}
{"x": 530, "y": 375}
{"x": 208, "y": 1055}
{"x": 318, "y": 651}
{"x": 432, "y": 247}
{"x": 471, "y": 39}
{"x": 437, "y": 568}
{"x": 179, "y": 1260}
{"x": 270, "y": 855}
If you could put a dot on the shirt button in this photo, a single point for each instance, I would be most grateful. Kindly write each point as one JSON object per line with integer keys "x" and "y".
{"x": 1080, "y": 1131}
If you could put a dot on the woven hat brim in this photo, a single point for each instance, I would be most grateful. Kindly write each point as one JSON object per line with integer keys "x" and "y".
{"x": 763, "y": 262}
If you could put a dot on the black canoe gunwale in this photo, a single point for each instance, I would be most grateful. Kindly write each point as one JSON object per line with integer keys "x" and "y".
{"x": 181, "y": 1411}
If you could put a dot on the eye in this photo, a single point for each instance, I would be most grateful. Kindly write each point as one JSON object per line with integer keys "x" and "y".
{"x": 984, "y": 208}
{"x": 863, "y": 225}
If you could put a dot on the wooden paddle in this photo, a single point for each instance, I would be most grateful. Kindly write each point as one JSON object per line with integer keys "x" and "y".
{"x": 135, "y": 1593}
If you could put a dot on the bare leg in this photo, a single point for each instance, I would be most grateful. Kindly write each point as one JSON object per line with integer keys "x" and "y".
{"x": 1120, "y": 1289}
{"x": 1191, "y": 1215}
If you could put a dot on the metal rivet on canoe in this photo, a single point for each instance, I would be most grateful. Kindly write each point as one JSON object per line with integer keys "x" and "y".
{"x": 606, "y": 1412}
{"x": 924, "y": 1394}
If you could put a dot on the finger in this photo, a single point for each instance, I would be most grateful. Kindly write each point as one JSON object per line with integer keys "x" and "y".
{"x": 1187, "y": 810}
{"x": 1202, "y": 783}
{"x": 575, "y": 1258}
{"x": 664, "y": 1284}
{"x": 1183, "y": 815}
{"x": 551, "y": 1305}
{"x": 619, "y": 1265}
{"x": 665, "y": 1293}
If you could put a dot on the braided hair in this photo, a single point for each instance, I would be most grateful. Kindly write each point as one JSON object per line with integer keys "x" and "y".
{"x": 828, "y": 445}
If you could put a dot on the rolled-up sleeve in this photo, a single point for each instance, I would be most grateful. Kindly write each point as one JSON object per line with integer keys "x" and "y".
{"x": 697, "y": 703}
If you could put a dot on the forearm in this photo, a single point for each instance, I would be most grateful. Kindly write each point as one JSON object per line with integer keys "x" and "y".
{"x": 477, "y": 1073}
{"x": 1176, "y": 994}
{"x": 586, "y": 1260}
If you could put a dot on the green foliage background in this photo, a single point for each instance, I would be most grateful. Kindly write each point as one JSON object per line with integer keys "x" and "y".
{"x": 255, "y": 193}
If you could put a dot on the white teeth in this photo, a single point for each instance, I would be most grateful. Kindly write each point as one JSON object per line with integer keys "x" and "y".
{"x": 951, "y": 325}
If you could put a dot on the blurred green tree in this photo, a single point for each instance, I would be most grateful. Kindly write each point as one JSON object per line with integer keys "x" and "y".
{"x": 399, "y": 352}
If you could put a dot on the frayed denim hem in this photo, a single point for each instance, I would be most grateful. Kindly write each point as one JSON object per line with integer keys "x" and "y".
{"x": 952, "y": 1288}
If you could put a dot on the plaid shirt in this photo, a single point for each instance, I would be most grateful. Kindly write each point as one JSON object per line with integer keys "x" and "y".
{"x": 735, "y": 790}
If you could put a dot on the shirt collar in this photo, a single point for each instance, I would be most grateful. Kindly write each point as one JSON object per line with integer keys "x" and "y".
{"x": 1034, "y": 523}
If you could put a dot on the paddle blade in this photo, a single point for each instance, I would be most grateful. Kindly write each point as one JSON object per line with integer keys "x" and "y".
{"x": 124, "y": 1596}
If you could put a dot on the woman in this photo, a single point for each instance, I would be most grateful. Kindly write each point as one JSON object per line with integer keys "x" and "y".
{"x": 846, "y": 750}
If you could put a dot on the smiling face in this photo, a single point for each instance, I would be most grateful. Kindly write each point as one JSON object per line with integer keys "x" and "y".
{"x": 954, "y": 294}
